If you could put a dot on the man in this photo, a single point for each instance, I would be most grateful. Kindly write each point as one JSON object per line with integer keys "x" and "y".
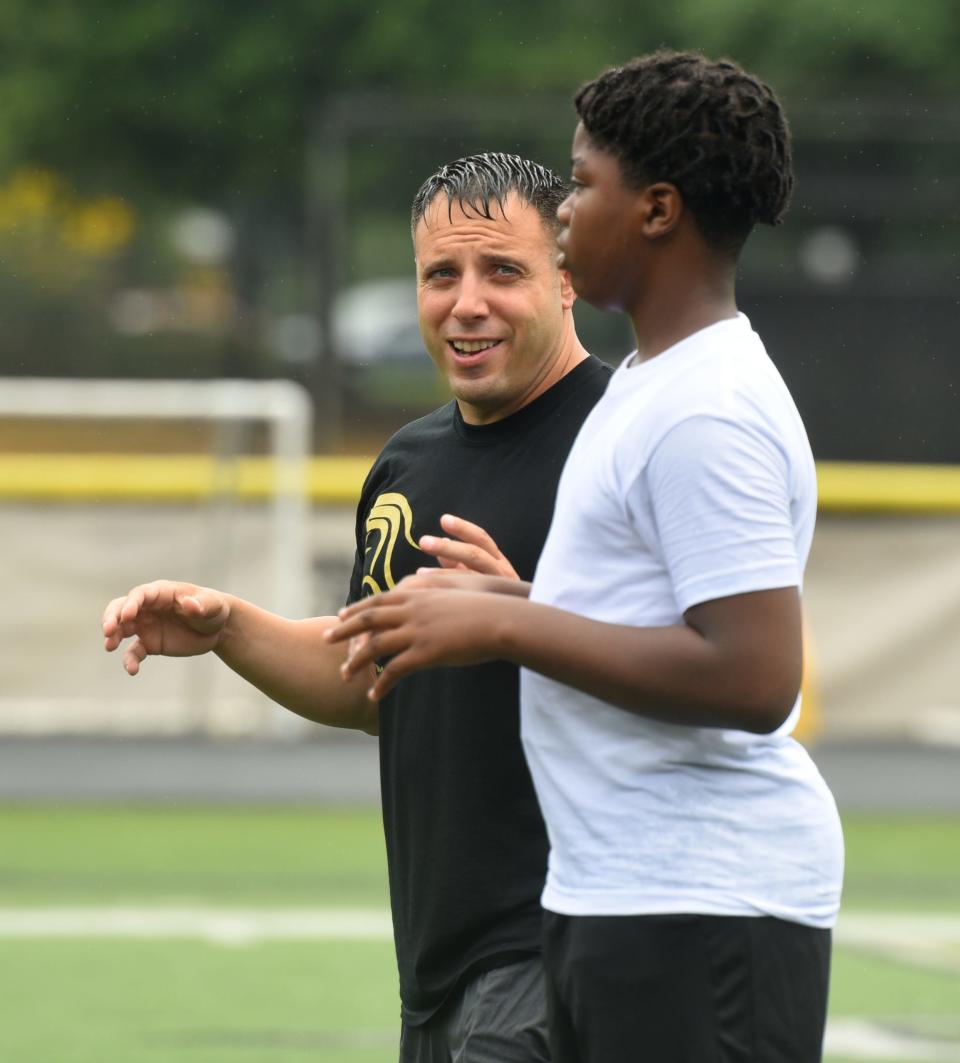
{"x": 465, "y": 841}
{"x": 696, "y": 855}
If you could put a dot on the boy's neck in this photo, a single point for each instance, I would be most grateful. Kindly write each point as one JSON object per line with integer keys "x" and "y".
{"x": 682, "y": 301}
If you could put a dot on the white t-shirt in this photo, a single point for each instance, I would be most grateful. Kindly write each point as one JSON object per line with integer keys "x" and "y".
{"x": 691, "y": 480}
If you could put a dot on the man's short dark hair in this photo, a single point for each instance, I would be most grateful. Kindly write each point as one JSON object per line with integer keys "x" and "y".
{"x": 478, "y": 182}
{"x": 707, "y": 126}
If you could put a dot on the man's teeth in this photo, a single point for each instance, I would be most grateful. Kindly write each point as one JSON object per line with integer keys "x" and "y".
{"x": 471, "y": 347}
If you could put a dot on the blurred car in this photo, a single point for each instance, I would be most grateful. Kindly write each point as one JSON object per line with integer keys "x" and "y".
{"x": 377, "y": 338}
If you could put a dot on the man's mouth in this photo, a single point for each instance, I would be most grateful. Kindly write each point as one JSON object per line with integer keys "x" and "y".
{"x": 472, "y": 346}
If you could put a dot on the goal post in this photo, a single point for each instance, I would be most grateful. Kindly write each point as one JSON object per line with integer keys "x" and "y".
{"x": 284, "y": 407}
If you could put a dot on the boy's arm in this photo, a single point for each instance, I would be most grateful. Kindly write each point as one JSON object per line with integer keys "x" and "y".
{"x": 735, "y": 662}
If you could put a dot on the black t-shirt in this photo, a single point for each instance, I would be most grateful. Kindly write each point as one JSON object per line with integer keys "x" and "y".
{"x": 466, "y": 845}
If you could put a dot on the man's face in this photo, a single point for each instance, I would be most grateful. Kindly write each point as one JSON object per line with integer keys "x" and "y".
{"x": 494, "y": 307}
{"x": 595, "y": 243}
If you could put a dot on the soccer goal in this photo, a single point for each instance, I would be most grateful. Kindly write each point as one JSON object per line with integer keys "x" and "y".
{"x": 88, "y": 525}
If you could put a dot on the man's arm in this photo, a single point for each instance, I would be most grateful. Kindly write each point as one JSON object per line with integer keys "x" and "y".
{"x": 735, "y": 662}
{"x": 289, "y": 660}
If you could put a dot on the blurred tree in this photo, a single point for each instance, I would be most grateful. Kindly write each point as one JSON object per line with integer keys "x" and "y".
{"x": 212, "y": 100}
{"x": 307, "y": 125}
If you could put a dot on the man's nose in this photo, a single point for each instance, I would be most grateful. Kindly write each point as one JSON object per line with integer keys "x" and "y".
{"x": 471, "y": 299}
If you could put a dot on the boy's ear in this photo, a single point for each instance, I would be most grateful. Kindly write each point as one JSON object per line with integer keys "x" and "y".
{"x": 660, "y": 206}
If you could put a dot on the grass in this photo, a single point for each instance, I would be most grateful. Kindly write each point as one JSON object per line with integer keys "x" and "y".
{"x": 89, "y": 1001}
{"x": 168, "y": 855}
{"x": 151, "y": 1001}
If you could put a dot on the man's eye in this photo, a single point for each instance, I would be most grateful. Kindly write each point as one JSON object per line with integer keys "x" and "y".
{"x": 444, "y": 273}
{"x": 506, "y": 270}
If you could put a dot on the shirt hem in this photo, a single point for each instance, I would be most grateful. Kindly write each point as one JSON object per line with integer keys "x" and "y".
{"x": 587, "y": 904}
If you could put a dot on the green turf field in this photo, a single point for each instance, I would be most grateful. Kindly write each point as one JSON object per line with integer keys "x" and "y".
{"x": 247, "y": 936}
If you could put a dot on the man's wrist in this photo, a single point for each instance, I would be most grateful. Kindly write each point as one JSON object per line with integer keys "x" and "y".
{"x": 229, "y": 634}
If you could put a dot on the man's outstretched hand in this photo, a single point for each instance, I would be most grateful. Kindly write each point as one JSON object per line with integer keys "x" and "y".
{"x": 165, "y": 618}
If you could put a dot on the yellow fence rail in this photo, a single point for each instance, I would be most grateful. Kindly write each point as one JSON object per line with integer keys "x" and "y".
{"x": 844, "y": 486}
{"x": 168, "y": 478}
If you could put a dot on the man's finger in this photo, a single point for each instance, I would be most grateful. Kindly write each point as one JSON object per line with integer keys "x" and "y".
{"x": 203, "y": 612}
{"x": 356, "y": 644}
{"x": 110, "y": 623}
{"x": 133, "y": 656}
{"x": 132, "y": 605}
{"x": 469, "y": 532}
{"x": 451, "y": 554}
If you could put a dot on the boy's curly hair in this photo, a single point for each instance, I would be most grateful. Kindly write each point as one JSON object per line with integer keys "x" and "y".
{"x": 706, "y": 126}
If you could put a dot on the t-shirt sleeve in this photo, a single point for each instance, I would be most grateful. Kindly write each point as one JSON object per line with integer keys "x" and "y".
{"x": 719, "y": 493}
{"x": 355, "y": 592}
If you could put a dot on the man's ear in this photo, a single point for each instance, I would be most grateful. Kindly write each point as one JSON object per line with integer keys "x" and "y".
{"x": 660, "y": 207}
{"x": 567, "y": 295}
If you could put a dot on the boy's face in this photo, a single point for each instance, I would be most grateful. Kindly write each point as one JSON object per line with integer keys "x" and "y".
{"x": 597, "y": 243}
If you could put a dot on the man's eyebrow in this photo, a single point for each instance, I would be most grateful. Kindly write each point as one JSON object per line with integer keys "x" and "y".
{"x": 490, "y": 257}
{"x": 442, "y": 262}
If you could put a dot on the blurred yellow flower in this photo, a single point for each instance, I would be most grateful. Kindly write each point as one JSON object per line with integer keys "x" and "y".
{"x": 31, "y": 195}
{"x": 38, "y": 206}
{"x": 99, "y": 226}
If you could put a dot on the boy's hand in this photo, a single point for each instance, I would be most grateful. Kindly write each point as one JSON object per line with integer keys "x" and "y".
{"x": 416, "y": 629}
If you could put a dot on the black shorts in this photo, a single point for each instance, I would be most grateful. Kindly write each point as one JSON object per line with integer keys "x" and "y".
{"x": 499, "y": 1016}
{"x": 685, "y": 989}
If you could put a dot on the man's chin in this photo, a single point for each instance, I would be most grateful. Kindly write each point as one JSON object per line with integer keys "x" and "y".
{"x": 481, "y": 404}
{"x": 475, "y": 381}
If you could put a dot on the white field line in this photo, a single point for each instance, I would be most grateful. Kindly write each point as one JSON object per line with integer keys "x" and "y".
{"x": 926, "y": 940}
{"x": 225, "y": 926}
{"x": 883, "y": 931}
{"x": 863, "y": 1039}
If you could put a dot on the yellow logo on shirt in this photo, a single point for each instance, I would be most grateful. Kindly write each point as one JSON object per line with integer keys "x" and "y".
{"x": 389, "y": 516}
